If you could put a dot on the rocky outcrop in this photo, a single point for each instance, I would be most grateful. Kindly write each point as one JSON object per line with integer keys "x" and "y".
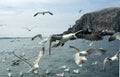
{"x": 107, "y": 19}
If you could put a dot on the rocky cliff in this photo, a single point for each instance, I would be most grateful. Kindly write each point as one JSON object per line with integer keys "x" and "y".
{"x": 106, "y": 19}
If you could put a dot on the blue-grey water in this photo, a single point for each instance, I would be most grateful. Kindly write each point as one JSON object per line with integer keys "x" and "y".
{"x": 60, "y": 56}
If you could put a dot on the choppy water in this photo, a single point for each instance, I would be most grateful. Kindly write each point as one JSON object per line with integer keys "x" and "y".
{"x": 60, "y": 56}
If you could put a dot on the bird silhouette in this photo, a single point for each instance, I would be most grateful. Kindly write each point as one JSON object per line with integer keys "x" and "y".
{"x": 38, "y": 35}
{"x": 35, "y": 66}
{"x": 43, "y": 13}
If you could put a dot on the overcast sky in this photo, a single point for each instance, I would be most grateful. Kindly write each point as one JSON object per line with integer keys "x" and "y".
{"x": 16, "y": 15}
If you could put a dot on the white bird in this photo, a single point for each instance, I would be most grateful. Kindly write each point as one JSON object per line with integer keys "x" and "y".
{"x": 115, "y": 36}
{"x": 35, "y": 66}
{"x": 63, "y": 67}
{"x": 111, "y": 59}
{"x": 62, "y": 38}
{"x": 67, "y": 69}
{"x": 76, "y": 71}
{"x": 94, "y": 63}
{"x": 43, "y": 13}
{"x": 91, "y": 44}
{"x": 60, "y": 75}
{"x": 80, "y": 56}
{"x": 21, "y": 73}
{"x": 9, "y": 72}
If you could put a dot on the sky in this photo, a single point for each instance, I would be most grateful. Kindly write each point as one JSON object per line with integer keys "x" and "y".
{"x": 17, "y": 15}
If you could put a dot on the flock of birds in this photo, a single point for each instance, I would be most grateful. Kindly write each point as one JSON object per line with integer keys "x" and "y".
{"x": 80, "y": 57}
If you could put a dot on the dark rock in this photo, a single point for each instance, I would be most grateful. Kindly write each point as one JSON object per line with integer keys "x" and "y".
{"x": 104, "y": 20}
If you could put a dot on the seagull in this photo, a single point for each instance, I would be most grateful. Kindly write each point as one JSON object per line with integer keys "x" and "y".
{"x": 9, "y": 72}
{"x": 67, "y": 69}
{"x": 43, "y": 13}
{"x": 35, "y": 66}
{"x": 62, "y": 38}
{"x": 28, "y": 29}
{"x": 63, "y": 67}
{"x": 114, "y": 36}
{"x": 80, "y": 11}
{"x": 91, "y": 44}
{"x": 38, "y": 35}
{"x": 60, "y": 75}
{"x": 111, "y": 59}
{"x": 76, "y": 71}
{"x": 80, "y": 56}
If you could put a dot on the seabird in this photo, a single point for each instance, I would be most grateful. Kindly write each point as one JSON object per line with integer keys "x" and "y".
{"x": 28, "y": 29}
{"x": 110, "y": 60}
{"x": 43, "y": 13}
{"x": 38, "y": 35}
{"x": 35, "y": 66}
{"x": 61, "y": 38}
{"x": 114, "y": 37}
{"x": 9, "y": 72}
{"x": 60, "y": 75}
{"x": 76, "y": 71}
{"x": 91, "y": 44}
{"x": 80, "y": 56}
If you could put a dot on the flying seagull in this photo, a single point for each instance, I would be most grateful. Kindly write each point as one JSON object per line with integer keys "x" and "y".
{"x": 62, "y": 39}
{"x": 28, "y": 29}
{"x": 35, "y": 66}
{"x": 38, "y": 35}
{"x": 111, "y": 59}
{"x": 43, "y": 13}
{"x": 115, "y": 36}
{"x": 80, "y": 57}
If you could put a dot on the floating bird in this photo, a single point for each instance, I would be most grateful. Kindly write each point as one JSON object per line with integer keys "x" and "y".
{"x": 62, "y": 38}
{"x": 67, "y": 69}
{"x": 60, "y": 75}
{"x": 9, "y": 72}
{"x": 38, "y": 35}
{"x": 80, "y": 56}
{"x": 43, "y": 13}
{"x": 76, "y": 71}
{"x": 110, "y": 60}
{"x": 34, "y": 68}
{"x": 63, "y": 67}
{"x": 21, "y": 73}
{"x": 114, "y": 36}
{"x": 91, "y": 44}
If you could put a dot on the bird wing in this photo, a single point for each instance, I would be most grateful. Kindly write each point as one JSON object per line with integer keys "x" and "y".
{"x": 74, "y": 48}
{"x": 114, "y": 36}
{"x": 49, "y": 12}
{"x": 41, "y": 53}
{"x": 98, "y": 51}
{"x": 52, "y": 38}
{"x": 104, "y": 63}
{"x": 22, "y": 59}
{"x": 38, "y": 35}
{"x": 37, "y": 14}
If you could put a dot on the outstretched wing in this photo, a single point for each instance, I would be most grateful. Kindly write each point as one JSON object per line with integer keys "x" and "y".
{"x": 22, "y": 59}
{"x": 41, "y": 53}
{"x": 37, "y": 14}
{"x": 38, "y": 35}
{"x": 114, "y": 37}
{"x": 49, "y": 12}
{"x": 74, "y": 48}
{"x": 98, "y": 51}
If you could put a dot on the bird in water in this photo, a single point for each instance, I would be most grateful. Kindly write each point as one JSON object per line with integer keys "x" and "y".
{"x": 38, "y": 35}
{"x": 80, "y": 56}
{"x": 110, "y": 59}
{"x": 34, "y": 68}
{"x": 43, "y": 13}
{"x": 60, "y": 75}
{"x": 76, "y": 71}
{"x": 9, "y": 72}
{"x": 62, "y": 39}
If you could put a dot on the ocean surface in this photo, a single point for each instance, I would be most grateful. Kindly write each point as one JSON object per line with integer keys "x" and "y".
{"x": 60, "y": 56}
